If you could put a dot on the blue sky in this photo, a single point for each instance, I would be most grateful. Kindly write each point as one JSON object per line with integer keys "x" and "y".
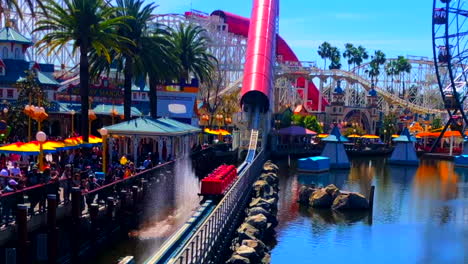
{"x": 397, "y": 27}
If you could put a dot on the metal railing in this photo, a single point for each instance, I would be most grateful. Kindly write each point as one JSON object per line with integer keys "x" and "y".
{"x": 124, "y": 190}
{"x": 215, "y": 232}
{"x": 35, "y": 196}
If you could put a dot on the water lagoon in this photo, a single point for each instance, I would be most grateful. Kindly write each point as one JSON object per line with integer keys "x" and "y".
{"x": 420, "y": 216}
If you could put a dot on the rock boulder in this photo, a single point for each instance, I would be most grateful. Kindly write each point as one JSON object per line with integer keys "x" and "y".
{"x": 270, "y": 167}
{"x": 257, "y": 245}
{"x": 258, "y": 221}
{"x": 271, "y": 178}
{"x": 320, "y": 199}
{"x": 271, "y": 205}
{"x": 332, "y": 190}
{"x": 304, "y": 194}
{"x": 266, "y": 259}
{"x": 238, "y": 259}
{"x": 247, "y": 231}
{"x": 249, "y": 253}
{"x": 350, "y": 201}
{"x": 264, "y": 190}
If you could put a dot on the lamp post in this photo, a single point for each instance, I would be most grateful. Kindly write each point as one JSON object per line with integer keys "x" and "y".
{"x": 385, "y": 135}
{"x": 41, "y": 137}
{"x": 113, "y": 113}
{"x": 91, "y": 118}
{"x": 219, "y": 118}
{"x": 103, "y": 131}
{"x": 227, "y": 121}
{"x": 72, "y": 112}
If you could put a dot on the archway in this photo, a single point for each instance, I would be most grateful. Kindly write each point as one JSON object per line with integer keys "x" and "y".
{"x": 358, "y": 116}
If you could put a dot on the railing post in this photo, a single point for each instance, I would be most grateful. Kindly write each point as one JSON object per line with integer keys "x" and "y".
{"x": 110, "y": 208}
{"x": 93, "y": 216}
{"x": 135, "y": 197}
{"x": 76, "y": 224}
{"x": 22, "y": 233}
{"x": 76, "y": 204}
{"x": 52, "y": 239}
{"x": 191, "y": 251}
{"x": 123, "y": 200}
{"x": 144, "y": 187}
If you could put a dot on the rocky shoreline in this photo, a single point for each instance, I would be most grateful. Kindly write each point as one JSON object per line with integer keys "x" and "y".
{"x": 260, "y": 221}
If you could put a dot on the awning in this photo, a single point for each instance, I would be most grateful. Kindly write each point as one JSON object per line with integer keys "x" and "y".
{"x": 296, "y": 131}
{"x": 105, "y": 109}
{"x": 152, "y": 127}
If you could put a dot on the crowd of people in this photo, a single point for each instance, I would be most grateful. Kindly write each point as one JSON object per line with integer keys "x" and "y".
{"x": 61, "y": 172}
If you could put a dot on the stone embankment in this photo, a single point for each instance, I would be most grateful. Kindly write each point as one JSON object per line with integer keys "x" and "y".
{"x": 260, "y": 220}
{"x": 332, "y": 197}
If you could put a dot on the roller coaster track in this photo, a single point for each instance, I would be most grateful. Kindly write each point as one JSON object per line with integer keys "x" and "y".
{"x": 389, "y": 97}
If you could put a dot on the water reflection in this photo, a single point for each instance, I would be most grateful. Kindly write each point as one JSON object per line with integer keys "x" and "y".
{"x": 330, "y": 217}
{"x": 420, "y": 216}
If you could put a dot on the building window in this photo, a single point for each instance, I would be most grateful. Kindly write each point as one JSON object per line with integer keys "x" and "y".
{"x": 143, "y": 96}
{"x": 17, "y": 53}
{"x": 1, "y": 92}
{"x": 5, "y": 53}
{"x": 10, "y": 93}
{"x": 334, "y": 109}
{"x": 134, "y": 96}
{"x": 2, "y": 71}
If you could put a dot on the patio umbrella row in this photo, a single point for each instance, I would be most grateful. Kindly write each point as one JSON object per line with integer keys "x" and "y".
{"x": 437, "y": 134}
{"x": 33, "y": 147}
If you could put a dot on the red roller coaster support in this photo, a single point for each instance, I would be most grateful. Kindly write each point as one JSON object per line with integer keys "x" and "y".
{"x": 258, "y": 72}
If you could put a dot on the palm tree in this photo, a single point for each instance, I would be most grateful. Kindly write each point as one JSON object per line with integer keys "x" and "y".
{"x": 325, "y": 52}
{"x": 348, "y": 54}
{"x": 161, "y": 64}
{"x": 403, "y": 66}
{"x": 190, "y": 48}
{"x": 8, "y": 5}
{"x": 391, "y": 68}
{"x": 335, "y": 58}
{"x": 91, "y": 25}
{"x": 149, "y": 54}
{"x": 377, "y": 60}
{"x": 361, "y": 55}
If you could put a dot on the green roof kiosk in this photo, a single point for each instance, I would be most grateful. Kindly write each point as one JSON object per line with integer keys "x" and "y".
{"x": 169, "y": 138}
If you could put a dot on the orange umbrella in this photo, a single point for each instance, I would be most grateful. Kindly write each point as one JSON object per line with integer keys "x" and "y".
{"x": 427, "y": 134}
{"x": 452, "y": 134}
{"x": 370, "y": 136}
{"x": 218, "y": 132}
{"x": 76, "y": 141}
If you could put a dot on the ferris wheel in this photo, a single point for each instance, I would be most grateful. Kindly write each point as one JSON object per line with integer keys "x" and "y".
{"x": 450, "y": 47}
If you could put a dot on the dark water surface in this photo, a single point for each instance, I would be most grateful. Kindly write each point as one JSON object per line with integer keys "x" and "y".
{"x": 420, "y": 216}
